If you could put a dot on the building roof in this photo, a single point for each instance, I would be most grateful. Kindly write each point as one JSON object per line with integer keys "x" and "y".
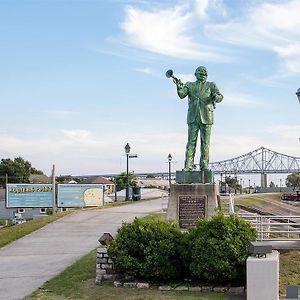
{"x": 98, "y": 180}
{"x": 34, "y": 178}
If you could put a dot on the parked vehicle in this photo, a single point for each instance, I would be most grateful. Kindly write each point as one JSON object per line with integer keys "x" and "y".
{"x": 18, "y": 219}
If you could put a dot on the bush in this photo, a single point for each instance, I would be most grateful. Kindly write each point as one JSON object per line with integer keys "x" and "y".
{"x": 148, "y": 249}
{"x": 49, "y": 211}
{"x": 217, "y": 249}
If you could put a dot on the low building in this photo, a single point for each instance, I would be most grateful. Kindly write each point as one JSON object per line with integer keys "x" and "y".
{"x": 35, "y": 178}
{"x": 109, "y": 186}
{"x": 154, "y": 183}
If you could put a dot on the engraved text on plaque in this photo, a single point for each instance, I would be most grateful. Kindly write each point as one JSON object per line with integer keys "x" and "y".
{"x": 190, "y": 209}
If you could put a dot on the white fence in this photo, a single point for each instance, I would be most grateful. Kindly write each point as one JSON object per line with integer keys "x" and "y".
{"x": 278, "y": 228}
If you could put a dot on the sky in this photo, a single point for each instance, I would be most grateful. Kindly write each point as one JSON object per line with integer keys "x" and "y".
{"x": 81, "y": 78}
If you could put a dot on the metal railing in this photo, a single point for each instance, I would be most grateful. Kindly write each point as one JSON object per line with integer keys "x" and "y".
{"x": 277, "y": 228}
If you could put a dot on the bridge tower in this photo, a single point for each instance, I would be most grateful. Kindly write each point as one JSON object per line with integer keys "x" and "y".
{"x": 263, "y": 180}
{"x": 263, "y": 175}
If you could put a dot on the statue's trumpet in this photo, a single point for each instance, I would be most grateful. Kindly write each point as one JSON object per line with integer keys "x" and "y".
{"x": 169, "y": 74}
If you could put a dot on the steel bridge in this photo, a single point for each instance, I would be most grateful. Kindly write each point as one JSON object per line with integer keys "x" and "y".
{"x": 260, "y": 161}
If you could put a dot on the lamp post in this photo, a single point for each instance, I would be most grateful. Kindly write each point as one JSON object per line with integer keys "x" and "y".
{"x": 241, "y": 185}
{"x": 298, "y": 94}
{"x": 221, "y": 185}
{"x": 128, "y": 155}
{"x": 280, "y": 185}
{"x": 169, "y": 162}
{"x": 249, "y": 186}
{"x": 127, "y": 152}
{"x": 235, "y": 181}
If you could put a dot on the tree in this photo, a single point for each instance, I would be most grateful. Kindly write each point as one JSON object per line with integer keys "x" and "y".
{"x": 232, "y": 182}
{"x": 150, "y": 176}
{"x": 67, "y": 178}
{"x": 121, "y": 181}
{"x": 216, "y": 250}
{"x": 272, "y": 184}
{"x": 17, "y": 170}
{"x": 293, "y": 180}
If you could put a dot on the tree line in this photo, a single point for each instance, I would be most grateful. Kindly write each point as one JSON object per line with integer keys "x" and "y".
{"x": 17, "y": 170}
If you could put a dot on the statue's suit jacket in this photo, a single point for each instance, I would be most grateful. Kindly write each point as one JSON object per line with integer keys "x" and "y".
{"x": 201, "y": 98}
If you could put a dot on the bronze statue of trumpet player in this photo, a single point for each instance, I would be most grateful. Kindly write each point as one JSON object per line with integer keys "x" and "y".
{"x": 203, "y": 96}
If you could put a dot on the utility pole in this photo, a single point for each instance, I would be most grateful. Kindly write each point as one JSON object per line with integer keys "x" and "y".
{"x": 53, "y": 190}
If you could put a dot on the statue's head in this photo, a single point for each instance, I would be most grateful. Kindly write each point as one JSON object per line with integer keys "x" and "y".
{"x": 201, "y": 74}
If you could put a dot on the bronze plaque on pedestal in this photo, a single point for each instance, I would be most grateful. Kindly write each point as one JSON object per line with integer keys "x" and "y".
{"x": 190, "y": 209}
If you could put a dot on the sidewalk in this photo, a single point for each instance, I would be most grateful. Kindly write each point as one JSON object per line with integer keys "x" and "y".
{"x": 32, "y": 260}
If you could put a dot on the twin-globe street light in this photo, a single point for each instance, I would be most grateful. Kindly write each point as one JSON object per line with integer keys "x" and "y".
{"x": 169, "y": 162}
{"x": 128, "y": 155}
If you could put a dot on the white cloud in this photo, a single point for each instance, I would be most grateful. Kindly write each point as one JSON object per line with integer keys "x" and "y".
{"x": 204, "y": 7}
{"x": 201, "y": 7}
{"x": 269, "y": 25}
{"x": 168, "y": 32}
{"x": 200, "y": 29}
{"x": 80, "y": 151}
{"x": 241, "y": 100}
{"x": 78, "y": 135}
{"x": 280, "y": 138}
{"x": 149, "y": 71}
{"x": 229, "y": 146}
{"x": 62, "y": 113}
{"x": 186, "y": 77}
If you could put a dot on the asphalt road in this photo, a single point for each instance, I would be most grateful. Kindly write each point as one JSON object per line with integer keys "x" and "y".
{"x": 32, "y": 260}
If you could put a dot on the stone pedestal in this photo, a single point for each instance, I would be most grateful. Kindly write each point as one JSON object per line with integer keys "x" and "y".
{"x": 195, "y": 199}
{"x": 263, "y": 277}
{"x": 205, "y": 176}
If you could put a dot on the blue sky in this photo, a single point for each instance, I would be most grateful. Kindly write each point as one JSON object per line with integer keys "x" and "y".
{"x": 81, "y": 78}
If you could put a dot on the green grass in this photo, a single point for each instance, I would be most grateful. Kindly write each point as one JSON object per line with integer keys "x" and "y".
{"x": 289, "y": 270}
{"x": 78, "y": 282}
{"x": 251, "y": 200}
{"x": 10, "y": 234}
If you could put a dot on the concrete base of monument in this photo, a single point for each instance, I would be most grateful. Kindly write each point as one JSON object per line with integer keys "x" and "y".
{"x": 189, "y": 202}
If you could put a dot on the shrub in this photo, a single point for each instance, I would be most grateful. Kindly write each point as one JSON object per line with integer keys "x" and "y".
{"x": 147, "y": 249}
{"x": 49, "y": 211}
{"x": 217, "y": 249}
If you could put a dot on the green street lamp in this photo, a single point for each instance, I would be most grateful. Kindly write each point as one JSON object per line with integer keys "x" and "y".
{"x": 127, "y": 152}
{"x": 169, "y": 161}
{"x": 128, "y": 155}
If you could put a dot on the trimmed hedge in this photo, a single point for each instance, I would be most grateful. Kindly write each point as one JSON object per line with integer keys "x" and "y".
{"x": 216, "y": 250}
{"x": 148, "y": 249}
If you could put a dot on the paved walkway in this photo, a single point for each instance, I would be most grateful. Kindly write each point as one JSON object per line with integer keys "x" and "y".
{"x": 32, "y": 260}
